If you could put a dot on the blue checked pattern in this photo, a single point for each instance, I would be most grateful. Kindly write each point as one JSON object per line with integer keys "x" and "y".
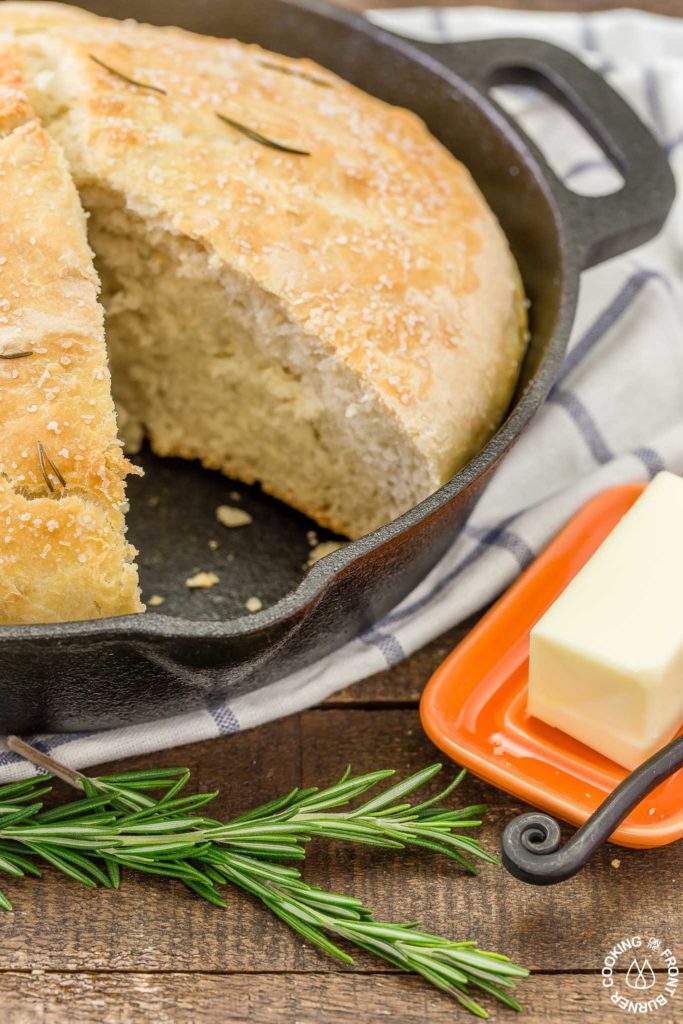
{"x": 615, "y": 413}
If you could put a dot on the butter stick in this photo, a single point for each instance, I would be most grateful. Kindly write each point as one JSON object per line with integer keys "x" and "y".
{"x": 606, "y": 660}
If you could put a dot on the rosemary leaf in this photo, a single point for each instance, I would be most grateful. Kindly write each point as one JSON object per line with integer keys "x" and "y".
{"x": 207, "y": 892}
{"x": 62, "y": 864}
{"x": 86, "y": 865}
{"x": 185, "y": 803}
{"x": 294, "y": 73}
{"x": 20, "y": 814}
{"x": 345, "y": 790}
{"x": 15, "y": 791}
{"x": 113, "y": 872}
{"x": 26, "y": 866}
{"x": 216, "y": 877}
{"x": 145, "y": 775}
{"x": 16, "y": 355}
{"x": 273, "y": 805}
{"x": 125, "y": 78}
{"x": 258, "y": 137}
{"x": 389, "y": 796}
{"x": 314, "y": 935}
{"x": 77, "y": 808}
{"x": 179, "y": 784}
{"x": 274, "y": 851}
{"x": 10, "y": 867}
{"x": 46, "y": 464}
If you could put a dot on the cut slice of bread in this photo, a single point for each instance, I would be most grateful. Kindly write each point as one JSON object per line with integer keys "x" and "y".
{"x": 63, "y": 553}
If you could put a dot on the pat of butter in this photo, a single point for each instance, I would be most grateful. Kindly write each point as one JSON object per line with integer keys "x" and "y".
{"x": 606, "y": 661}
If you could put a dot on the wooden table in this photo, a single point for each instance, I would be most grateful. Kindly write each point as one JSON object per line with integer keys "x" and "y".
{"x": 154, "y": 952}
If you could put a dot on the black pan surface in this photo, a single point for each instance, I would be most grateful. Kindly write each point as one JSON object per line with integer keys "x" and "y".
{"x": 202, "y": 645}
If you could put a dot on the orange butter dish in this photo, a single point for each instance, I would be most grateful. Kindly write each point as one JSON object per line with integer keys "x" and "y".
{"x": 474, "y": 707}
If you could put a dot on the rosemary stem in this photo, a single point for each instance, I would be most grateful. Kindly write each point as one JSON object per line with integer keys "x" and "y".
{"x": 41, "y": 760}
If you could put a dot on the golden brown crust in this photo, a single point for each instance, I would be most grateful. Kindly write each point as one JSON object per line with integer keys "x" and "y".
{"x": 378, "y": 244}
{"x": 62, "y": 549}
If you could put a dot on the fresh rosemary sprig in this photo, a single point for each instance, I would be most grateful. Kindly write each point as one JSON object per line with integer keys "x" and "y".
{"x": 452, "y": 967}
{"x": 125, "y": 78}
{"x": 46, "y": 464}
{"x": 255, "y": 136}
{"x": 117, "y": 823}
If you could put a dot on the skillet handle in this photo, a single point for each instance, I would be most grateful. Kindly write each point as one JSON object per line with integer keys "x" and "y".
{"x": 531, "y": 842}
{"x": 604, "y": 226}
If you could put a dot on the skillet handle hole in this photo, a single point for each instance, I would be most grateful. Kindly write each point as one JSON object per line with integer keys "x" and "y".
{"x": 577, "y": 159}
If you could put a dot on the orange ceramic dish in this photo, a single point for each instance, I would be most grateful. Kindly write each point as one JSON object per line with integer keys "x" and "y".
{"x": 474, "y": 706}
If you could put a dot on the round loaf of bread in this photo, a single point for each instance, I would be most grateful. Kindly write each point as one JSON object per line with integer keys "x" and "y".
{"x": 302, "y": 286}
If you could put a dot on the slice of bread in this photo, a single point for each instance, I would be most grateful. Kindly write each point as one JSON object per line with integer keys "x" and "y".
{"x": 63, "y": 553}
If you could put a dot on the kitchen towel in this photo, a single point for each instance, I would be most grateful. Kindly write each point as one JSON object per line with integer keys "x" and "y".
{"x": 615, "y": 413}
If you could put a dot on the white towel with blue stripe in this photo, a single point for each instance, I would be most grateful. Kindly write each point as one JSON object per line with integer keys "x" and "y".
{"x": 615, "y": 414}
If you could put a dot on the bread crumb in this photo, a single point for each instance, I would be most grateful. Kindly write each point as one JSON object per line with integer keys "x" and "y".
{"x": 232, "y": 517}
{"x": 213, "y": 544}
{"x": 616, "y": 863}
{"x": 326, "y": 548}
{"x": 202, "y": 581}
{"x": 312, "y": 538}
{"x": 253, "y": 604}
{"x": 153, "y": 501}
{"x": 234, "y": 495}
{"x": 155, "y": 600}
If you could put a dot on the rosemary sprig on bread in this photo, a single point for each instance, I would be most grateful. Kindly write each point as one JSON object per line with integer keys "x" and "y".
{"x": 126, "y": 78}
{"x": 255, "y": 136}
{"x": 48, "y": 468}
{"x": 271, "y": 65}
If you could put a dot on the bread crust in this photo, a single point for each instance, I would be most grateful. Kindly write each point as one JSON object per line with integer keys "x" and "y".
{"x": 378, "y": 244}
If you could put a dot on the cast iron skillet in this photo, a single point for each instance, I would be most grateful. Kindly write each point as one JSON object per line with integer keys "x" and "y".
{"x": 115, "y": 671}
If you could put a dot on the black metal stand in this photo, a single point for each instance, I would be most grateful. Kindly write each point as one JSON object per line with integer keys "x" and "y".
{"x": 531, "y": 842}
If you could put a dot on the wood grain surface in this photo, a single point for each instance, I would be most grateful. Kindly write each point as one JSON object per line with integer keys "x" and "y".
{"x": 153, "y": 952}
{"x": 199, "y": 998}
